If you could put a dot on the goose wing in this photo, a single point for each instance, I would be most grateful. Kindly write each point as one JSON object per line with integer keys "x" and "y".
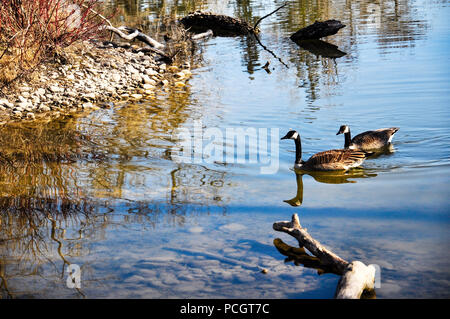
{"x": 336, "y": 159}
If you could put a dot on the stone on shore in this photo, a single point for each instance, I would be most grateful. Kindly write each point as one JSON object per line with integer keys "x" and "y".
{"x": 103, "y": 75}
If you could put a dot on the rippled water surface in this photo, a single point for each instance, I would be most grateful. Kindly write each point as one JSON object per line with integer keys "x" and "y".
{"x": 104, "y": 190}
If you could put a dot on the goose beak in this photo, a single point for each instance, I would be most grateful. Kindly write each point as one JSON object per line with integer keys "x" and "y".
{"x": 284, "y": 138}
{"x": 338, "y": 133}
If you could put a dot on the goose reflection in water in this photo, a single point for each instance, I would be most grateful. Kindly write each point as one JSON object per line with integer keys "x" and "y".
{"x": 330, "y": 177}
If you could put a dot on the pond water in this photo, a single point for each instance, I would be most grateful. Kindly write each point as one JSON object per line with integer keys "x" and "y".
{"x": 107, "y": 192}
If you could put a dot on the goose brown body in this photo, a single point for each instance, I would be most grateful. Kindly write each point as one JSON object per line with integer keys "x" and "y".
{"x": 333, "y": 160}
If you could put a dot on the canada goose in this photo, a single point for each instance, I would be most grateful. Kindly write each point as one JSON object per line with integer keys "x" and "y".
{"x": 331, "y": 160}
{"x": 369, "y": 140}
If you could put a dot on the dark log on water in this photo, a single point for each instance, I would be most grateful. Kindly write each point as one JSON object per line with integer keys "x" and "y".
{"x": 221, "y": 25}
{"x": 318, "y": 30}
{"x": 322, "y": 48}
{"x": 355, "y": 276}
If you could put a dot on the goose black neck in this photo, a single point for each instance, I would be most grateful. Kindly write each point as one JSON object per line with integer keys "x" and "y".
{"x": 298, "y": 150}
{"x": 348, "y": 139}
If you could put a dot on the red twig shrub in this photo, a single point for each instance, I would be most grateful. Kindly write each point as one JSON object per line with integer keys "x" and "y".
{"x": 32, "y": 29}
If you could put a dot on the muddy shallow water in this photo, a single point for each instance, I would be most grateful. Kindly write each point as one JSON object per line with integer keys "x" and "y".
{"x": 107, "y": 192}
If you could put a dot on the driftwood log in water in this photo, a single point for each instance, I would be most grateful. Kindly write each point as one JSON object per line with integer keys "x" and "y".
{"x": 355, "y": 276}
{"x": 221, "y": 25}
{"x": 318, "y": 30}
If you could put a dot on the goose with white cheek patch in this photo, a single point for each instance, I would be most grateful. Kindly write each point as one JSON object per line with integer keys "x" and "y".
{"x": 332, "y": 160}
{"x": 369, "y": 140}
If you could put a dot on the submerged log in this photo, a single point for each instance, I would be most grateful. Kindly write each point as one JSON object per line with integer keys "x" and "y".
{"x": 318, "y": 30}
{"x": 221, "y": 25}
{"x": 356, "y": 276}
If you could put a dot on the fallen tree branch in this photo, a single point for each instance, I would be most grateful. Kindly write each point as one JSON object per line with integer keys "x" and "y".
{"x": 135, "y": 34}
{"x": 257, "y": 22}
{"x": 356, "y": 277}
{"x": 299, "y": 256}
{"x": 202, "y": 35}
{"x": 117, "y": 31}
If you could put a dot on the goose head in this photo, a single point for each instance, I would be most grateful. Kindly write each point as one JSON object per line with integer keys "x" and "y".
{"x": 291, "y": 135}
{"x": 343, "y": 129}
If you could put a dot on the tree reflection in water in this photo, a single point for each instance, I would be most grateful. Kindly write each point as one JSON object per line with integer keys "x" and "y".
{"x": 53, "y": 181}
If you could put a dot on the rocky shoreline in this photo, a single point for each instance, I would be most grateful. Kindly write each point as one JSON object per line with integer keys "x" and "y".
{"x": 87, "y": 77}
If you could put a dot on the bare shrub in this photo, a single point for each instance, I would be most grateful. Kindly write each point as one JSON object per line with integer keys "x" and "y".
{"x": 33, "y": 30}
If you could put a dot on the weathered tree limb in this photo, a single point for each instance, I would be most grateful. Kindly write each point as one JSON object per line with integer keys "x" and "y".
{"x": 257, "y": 22}
{"x": 200, "y": 36}
{"x": 356, "y": 277}
{"x": 144, "y": 38}
{"x": 299, "y": 256}
{"x": 327, "y": 257}
{"x": 318, "y": 30}
{"x": 117, "y": 31}
{"x": 135, "y": 34}
{"x": 153, "y": 45}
